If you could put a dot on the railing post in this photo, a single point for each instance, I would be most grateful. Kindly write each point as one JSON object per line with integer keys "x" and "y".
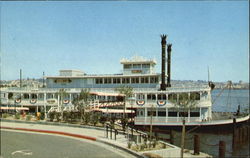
{"x": 110, "y": 132}
{"x": 107, "y": 130}
{"x": 222, "y": 149}
{"x": 196, "y": 145}
{"x": 115, "y": 133}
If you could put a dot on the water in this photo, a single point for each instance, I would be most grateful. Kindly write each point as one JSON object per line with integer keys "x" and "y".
{"x": 209, "y": 142}
{"x": 230, "y": 104}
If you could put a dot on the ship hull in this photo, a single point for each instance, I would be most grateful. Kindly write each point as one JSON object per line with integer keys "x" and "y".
{"x": 216, "y": 126}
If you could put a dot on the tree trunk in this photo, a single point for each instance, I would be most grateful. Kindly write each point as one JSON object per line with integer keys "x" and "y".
{"x": 183, "y": 138}
{"x": 151, "y": 123}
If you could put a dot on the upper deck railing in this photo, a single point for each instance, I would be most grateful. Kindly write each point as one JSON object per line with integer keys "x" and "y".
{"x": 178, "y": 89}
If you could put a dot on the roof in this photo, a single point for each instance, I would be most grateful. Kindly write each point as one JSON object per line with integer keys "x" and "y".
{"x": 105, "y": 76}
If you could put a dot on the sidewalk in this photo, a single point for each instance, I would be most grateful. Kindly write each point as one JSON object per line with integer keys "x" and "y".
{"x": 94, "y": 135}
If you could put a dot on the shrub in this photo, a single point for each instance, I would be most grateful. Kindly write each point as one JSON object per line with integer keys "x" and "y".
{"x": 129, "y": 145}
{"x": 28, "y": 117}
{"x": 66, "y": 116}
{"x": 94, "y": 118}
{"x": 42, "y": 117}
{"x": 5, "y": 115}
{"x": 17, "y": 116}
{"x": 57, "y": 116}
{"x": 86, "y": 117}
{"x": 51, "y": 115}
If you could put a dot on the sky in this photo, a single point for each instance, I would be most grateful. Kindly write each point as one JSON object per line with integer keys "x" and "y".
{"x": 48, "y": 36}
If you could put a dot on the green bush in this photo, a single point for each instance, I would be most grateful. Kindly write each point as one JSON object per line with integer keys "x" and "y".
{"x": 17, "y": 116}
{"x": 5, "y": 115}
{"x": 86, "y": 117}
{"x": 94, "y": 118}
{"x": 66, "y": 116}
{"x": 57, "y": 116}
{"x": 28, "y": 117}
{"x": 51, "y": 115}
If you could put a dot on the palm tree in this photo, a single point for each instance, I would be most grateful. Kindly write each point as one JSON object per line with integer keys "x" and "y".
{"x": 62, "y": 94}
{"x": 183, "y": 104}
{"x": 83, "y": 102}
{"x": 127, "y": 91}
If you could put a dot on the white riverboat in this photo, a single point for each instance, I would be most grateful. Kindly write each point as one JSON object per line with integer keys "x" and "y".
{"x": 153, "y": 101}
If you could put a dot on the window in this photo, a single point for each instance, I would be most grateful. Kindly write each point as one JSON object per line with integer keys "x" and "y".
{"x": 142, "y": 80}
{"x": 161, "y": 113}
{"x": 98, "y": 81}
{"x": 116, "y": 80}
{"x": 125, "y": 80}
{"x": 152, "y": 112}
{"x": 183, "y": 96}
{"x": 137, "y": 80}
{"x": 194, "y": 114}
{"x": 195, "y": 96}
{"x": 151, "y": 97}
{"x": 127, "y": 66}
{"x": 141, "y": 113}
{"x": 172, "y": 97}
{"x": 161, "y": 96}
{"x": 152, "y": 79}
{"x": 172, "y": 114}
{"x": 145, "y": 66}
{"x": 133, "y": 80}
{"x": 140, "y": 97}
{"x": 105, "y": 80}
{"x": 183, "y": 114}
{"x": 137, "y": 66}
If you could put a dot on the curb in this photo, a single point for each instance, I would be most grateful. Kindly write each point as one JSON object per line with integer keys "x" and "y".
{"x": 53, "y": 123}
{"x": 121, "y": 148}
{"x": 51, "y": 132}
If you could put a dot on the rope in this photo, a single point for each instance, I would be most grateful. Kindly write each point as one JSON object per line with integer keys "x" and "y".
{"x": 229, "y": 98}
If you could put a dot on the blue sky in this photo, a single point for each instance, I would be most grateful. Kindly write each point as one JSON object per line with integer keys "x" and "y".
{"x": 94, "y": 36}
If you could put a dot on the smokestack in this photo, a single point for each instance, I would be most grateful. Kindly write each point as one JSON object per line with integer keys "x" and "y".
{"x": 163, "y": 67}
{"x": 169, "y": 65}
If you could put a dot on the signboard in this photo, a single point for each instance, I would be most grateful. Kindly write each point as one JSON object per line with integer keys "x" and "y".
{"x": 62, "y": 80}
{"x": 136, "y": 71}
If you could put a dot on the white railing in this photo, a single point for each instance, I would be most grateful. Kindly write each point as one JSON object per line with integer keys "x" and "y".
{"x": 164, "y": 120}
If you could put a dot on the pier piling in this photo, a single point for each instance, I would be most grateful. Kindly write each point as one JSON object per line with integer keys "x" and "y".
{"x": 196, "y": 145}
{"x": 234, "y": 141}
{"x": 222, "y": 149}
{"x": 171, "y": 137}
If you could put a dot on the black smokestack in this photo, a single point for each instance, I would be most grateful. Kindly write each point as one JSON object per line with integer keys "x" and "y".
{"x": 169, "y": 65}
{"x": 163, "y": 67}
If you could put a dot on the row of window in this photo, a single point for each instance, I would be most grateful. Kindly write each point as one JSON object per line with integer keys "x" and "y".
{"x": 170, "y": 114}
{"x": 128, "y": 80}
{"x": 129, "y": 66}
{"x": 171, "y": 96}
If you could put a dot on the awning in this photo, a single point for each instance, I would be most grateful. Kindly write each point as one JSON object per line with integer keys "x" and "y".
{"x": 117, "y": 111}
{"x": 14, "y": 108}
{"x": 106, "y": 94}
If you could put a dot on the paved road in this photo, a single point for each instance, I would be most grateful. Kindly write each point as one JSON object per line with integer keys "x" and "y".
{"x": 31, "y": 145}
